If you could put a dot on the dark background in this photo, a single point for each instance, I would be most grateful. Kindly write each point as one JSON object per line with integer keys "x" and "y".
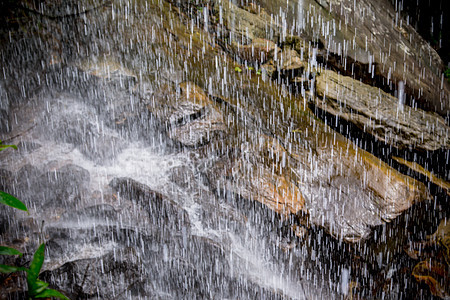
{"x": 422, "y": 14}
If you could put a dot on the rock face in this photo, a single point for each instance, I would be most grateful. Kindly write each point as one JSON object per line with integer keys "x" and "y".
{"x": 162, "y": 212}
{"x": 190, "y": 117}
{"x": 348, "y": 207}
{"x": 381, "y": 114}
{"x": 373, "y": 42}
{"x": 378, "y": 37}
{"x": 433, "y": 269}
{"x": 30, "y": 181}
{"x": 258, "y": 172}
{"x": 174, "y": 147}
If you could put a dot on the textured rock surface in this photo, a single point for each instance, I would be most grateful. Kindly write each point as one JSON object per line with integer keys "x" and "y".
{"x": 380, "y": 114}
{"x": 190, "y": 117}
{"x": 373, "y": 42}
{"x": 173, "y": 167}
{"x": 258, "y": 172}
{"x": 445, "y": 185}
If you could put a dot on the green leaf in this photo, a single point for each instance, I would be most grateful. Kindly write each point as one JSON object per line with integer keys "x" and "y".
{"x": 237, "y": 69}
{"x": 10, "y": 269}
{"x": 9, "y": 251}
{"x": 447, "y": 73}
{"x": 3, "y": 147}
{"x": 40, "y": 286}
{"x": 12, "y": 201}
{"x": 51, "y": 293}
{"x": 35, "y": 268}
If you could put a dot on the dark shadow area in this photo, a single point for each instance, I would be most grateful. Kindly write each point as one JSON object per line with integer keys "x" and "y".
{"x": 431, "y": 19}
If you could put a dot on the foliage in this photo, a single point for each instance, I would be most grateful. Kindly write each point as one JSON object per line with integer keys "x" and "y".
{"x": 447, "y": 74}
{"x": 12, "y": 201}
{"x": 36, "y": 288}
{"x": 9, "y": 251}
{"x": 3, "y": 147}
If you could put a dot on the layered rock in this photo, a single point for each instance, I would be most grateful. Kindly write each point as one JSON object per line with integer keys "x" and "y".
{"x": 181, "y": 171}
{"x": 258, "y": 171}
{"x": 380, "y": 114}
{"x": 373, "y": 42}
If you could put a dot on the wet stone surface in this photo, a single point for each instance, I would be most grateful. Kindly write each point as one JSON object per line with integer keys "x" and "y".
{"x": 166, "y": 150}
{"x": 381, "y": 114}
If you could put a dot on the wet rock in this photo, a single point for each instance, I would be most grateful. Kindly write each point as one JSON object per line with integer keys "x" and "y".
{"x": 4, "y": 126}
{"x": 269, "y": 68}
{"x": 104, "y": 213}
{"x": 258, "y": 175}
{"x": 331, "y": 173}
{"x": 60, "y": 9}
{"x": 5, "y": 177}
{"x": 28, "y": 146}
{"x": 290, "y": 61}
{"x": 299, "y": 44}
{"x": 191, "y": 117}
{"x": 445, "y": 185}
{"x": 162, "y": 211}
{"x": 91, "y": 277}
{"x": 109, "y": 69}
{"x": 286, "y": 62}
{"x": 434, "y": 256}
{"x": 308, "y": 159}
{"x": 442, "y": 237}
{"x": 259, "y": 50}
{"x": 263, "y": 156}
{"x": 200, "y": 131}
{"x": 77, "y": 124}
{"x": 380, "y": 114}
{"x": 47, "y": 189}
{"x": 182, "y": 176}
{"x": 344, "y": 173}
{"x": 435, "y": 275}
{"x": 421, "y": 65}
{"x": 171, "y": 273}
{"x": 299, "y": 231}
{"x": 251, "y": 25}
{"x": 158, "y": 264}
{"x": 4, "y": 109}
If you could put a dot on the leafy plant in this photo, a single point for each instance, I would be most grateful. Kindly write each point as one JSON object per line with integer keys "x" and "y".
{"x": 36, "y": 288}
{"x": 3, "y": 147}
{"x": 447, "y": 74}
{"x": 12, "y": 201}
{"x": 9, "y": 251}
